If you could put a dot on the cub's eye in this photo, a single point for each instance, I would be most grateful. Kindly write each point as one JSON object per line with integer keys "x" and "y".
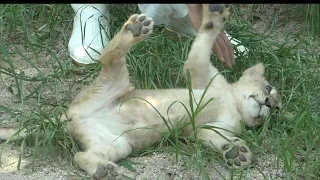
{"x": 268, "y": 88}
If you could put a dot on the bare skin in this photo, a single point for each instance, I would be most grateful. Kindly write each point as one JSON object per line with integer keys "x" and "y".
{"x": 222, "y": 47}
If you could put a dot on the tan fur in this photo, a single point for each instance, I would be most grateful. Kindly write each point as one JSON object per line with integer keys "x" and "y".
{"x": 110, "y": 123}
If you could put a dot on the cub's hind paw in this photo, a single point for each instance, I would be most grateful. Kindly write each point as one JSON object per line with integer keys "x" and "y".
{"x": 108, "y": 172}
{"x": 139, "y": 25}
{"x": 237, "y": 154}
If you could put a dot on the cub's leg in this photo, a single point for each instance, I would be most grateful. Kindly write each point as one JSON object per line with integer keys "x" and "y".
{"x": 101, "y": 147}
{"x": 235, "y": 151}
{"x": 198, "y": 62}
{"x": 112, "y": 81}
{"x": 137, "y": 28}
{"x": 114, "y": 69}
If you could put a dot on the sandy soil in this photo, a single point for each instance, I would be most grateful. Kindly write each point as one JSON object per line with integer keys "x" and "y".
{"x": 153, "y": 166}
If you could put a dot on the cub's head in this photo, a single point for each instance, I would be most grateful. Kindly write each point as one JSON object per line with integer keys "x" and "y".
{"x": 256, "y": 97}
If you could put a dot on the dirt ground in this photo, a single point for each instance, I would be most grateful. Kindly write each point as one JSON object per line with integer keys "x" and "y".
{"x": 154, "y": 166}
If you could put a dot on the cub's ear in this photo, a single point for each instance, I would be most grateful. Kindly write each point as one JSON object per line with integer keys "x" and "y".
{"x": 256, "y": 70}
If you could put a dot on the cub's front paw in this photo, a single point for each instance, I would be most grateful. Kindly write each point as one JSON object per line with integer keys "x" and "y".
{"x": 108, "y": 171}
{"x": 215, "y": 15}
{"x": 236, "y": 154}
{"x": 139, "y": 25}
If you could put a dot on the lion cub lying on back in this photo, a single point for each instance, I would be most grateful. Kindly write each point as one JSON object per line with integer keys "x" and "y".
{"x": 100, "y": 121}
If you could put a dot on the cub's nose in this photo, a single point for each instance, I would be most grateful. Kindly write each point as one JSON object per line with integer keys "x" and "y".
{"x": 267, "y": 103}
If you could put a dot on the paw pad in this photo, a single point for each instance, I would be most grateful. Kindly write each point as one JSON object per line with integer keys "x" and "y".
{"x": 215, "y": 15}
{"x": 147, "y": 23}
{"x": 142, "y": 18}
{"x": 216, "y": 8}
{"x": 242, "y": 158}
{"x": 236, "y": 154}
{"x": 107, "y": 171}
{"x": 100, "y": 172}
{"x": 233, "y": 153}
{"x": 139, "y": 25}
{"x": 243, "y": 149}
{"x": 209, "y": 25}
{"x": 134, "y": 17}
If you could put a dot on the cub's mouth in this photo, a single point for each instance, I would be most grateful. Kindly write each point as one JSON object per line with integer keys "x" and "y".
{"x": 264, "y": 106}
{"x": 264, "y": 111}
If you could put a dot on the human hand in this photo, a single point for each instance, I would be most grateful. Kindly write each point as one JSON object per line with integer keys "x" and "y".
{"x": 222, "y": 48}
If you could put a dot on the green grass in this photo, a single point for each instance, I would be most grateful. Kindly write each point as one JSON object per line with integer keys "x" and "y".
{"x": 313, "y": 15}
{"x": 36, "y": 37}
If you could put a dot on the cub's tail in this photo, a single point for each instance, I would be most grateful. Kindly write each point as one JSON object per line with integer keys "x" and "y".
{"x": 12, "y": 133}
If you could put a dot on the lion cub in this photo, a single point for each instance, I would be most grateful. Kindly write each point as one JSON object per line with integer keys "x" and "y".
{"x": 109, "y": 123}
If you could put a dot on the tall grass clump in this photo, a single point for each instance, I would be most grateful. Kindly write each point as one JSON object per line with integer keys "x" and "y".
{"x": 313, "y": 16}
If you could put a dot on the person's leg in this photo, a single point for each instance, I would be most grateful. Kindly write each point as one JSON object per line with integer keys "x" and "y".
{"x": 90, "y": 32}
{"x": 176, "y": 18}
